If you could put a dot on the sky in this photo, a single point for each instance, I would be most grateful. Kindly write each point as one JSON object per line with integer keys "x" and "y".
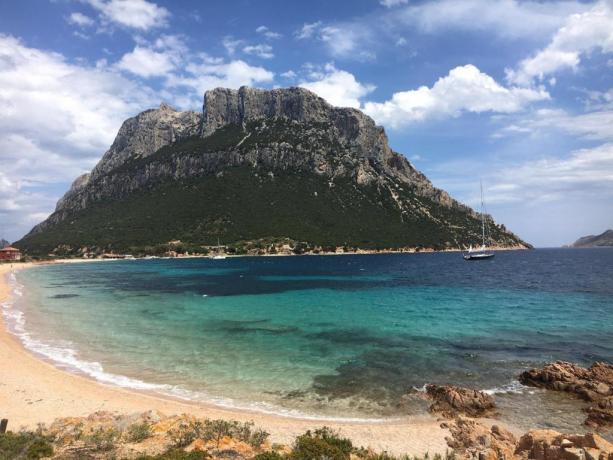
{"x": 516, "y": 94}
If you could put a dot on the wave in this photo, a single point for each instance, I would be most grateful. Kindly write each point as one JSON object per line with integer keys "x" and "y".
{"x": 64, "y": 355}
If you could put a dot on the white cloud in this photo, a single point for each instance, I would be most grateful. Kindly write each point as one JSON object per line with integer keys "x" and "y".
{"x": 585, "y": 172}
{"x": 136, "y": 14}
{"x": 338, "y": 87}
{"x": 230, "y": 44}
{"x": 290, "y": 74}
{"x": 57, "y": 119}
{"x": 80, "y": 20}
{"x": 464, "y": 89}
{"x": 342, "y": 40}
{"x": 597, "y": 125}
{"x": 268, "y": 33}
{"x": 393, "y": 3}
{"x": 262, "y": 50}
{"x": 154, "y": 59}
{"x": 307, "y": 30}
{"x": 507, "y": 18}
{"x": 208, "y": 73}
{"x": 581, "y": 34}
{"x": 146, "y": 62}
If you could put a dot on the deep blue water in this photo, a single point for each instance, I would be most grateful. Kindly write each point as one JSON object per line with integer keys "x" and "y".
{"x": 343, "y": 336}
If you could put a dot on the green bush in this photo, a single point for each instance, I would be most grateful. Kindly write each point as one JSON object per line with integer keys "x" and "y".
{"x": 176, "y": 454}
{"x": 139, "y": 432}
{"x": 26, "y": 445}
{"x": 272, "y": 455}
{"x": 101, "y": 439}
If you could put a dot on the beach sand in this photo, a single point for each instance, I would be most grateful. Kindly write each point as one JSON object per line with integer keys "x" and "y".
{"x": 33, "y": 391}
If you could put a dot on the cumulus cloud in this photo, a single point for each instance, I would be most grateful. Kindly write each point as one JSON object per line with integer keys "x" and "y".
{"x": 582, "y": 33}
{"x": 206, "y": 73}
{"x": 57, "y": 119}
{"x": 136, "y": 14}
{"x": 263, "y": 51}
{"x": 146, "y": 62}
{"x": 155, "y": 59}
{"x": 307, "y": 30}
{"x": 266, "y": 32}
{"x": 80, "y": 20}
{"x": 464, "y": 89}
{"x": 338, "y": 87}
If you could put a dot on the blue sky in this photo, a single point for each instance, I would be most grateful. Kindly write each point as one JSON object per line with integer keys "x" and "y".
{"x": 518, "y": 94}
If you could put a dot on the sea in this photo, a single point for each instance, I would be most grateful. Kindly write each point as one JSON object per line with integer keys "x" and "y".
{"x": 347, "y": 337}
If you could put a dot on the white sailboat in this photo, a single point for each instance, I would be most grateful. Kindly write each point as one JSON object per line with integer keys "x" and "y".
{"x": 480, "y": 253}
{"x": 218, "y": 256}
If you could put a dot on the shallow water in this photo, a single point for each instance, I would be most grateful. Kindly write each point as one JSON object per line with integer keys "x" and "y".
{"x": 343, "y": 336}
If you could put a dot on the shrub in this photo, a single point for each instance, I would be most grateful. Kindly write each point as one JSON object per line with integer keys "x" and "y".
{"x": 101, "y": 439}
{"x": 185, "y": 434}
{"x": 272, "y": 455}
{"x": 138, "y": 432}
{"x": 310, "y": 448}
{"x": 27, "y": 445}
{"x": 176, "y": 454}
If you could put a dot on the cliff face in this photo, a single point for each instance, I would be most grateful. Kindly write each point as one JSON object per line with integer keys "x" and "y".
{"x": 270, "y": 133}
{"x": 591, "y": 241}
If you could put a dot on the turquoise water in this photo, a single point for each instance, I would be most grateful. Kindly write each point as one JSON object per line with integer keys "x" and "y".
{"x": 342, "y": 336}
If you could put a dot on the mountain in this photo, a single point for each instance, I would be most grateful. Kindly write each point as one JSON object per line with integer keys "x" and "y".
{"x": 256, "y": 167}
{"x": 592, "y": 241}
{"x": 4, "y": 243}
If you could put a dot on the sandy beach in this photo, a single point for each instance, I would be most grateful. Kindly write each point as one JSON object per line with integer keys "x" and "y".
{"x": 33, "y": 391}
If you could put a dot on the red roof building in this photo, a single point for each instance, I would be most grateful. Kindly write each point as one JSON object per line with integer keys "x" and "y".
{"x": 10, "y": 253}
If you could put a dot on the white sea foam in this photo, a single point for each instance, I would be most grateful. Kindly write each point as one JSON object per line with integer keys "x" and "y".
{"x": 513, "y": 387}
{"x": 65, "y": 356}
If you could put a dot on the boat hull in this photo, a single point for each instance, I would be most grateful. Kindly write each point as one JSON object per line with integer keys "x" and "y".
{"x": 478, "y": 256}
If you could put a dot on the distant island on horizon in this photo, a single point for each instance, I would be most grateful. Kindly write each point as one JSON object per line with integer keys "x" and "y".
{"x": 605, "y": 239}
{"x": 256, "y": 172}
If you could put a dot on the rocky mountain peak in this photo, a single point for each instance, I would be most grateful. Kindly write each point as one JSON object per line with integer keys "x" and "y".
{"x": 223, "y": 106}
{"x": 147, "y": 132}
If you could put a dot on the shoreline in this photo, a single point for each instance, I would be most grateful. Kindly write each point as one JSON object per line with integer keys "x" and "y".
{"x": 36, "y": 391}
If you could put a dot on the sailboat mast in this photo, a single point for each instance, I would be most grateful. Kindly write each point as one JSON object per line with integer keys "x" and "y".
{"x": 482, "y": 215}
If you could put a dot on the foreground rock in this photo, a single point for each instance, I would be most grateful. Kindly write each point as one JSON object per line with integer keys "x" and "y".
{"x": 449, "y": 401}
{"x": 471, "y": 439}
{"x": 593, "y": 384}
{"x": 551, "y": 445}
{"x": 474, "y": 440}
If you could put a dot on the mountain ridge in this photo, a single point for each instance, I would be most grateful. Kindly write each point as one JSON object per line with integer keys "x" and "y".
{"x": 605, "y": 239}
{"x": 273, "y": 134}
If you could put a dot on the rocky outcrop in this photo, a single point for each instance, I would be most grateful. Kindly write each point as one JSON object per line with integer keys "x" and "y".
{"x": 450, "y": 401}
{"x": 475, "y": 440}
{"x": 146, "y": 133}
{"x": 593, "y": 384}
{"x": 551, "y": 445}
{"x": 600, "y": 414}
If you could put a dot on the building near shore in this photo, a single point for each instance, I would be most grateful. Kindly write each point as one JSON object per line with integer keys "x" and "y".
{"x": 10, "y": 253}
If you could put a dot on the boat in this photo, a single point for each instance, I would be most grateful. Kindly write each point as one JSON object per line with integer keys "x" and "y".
{"x": 219, "y": 255}
{"x": 480, "y": 253}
